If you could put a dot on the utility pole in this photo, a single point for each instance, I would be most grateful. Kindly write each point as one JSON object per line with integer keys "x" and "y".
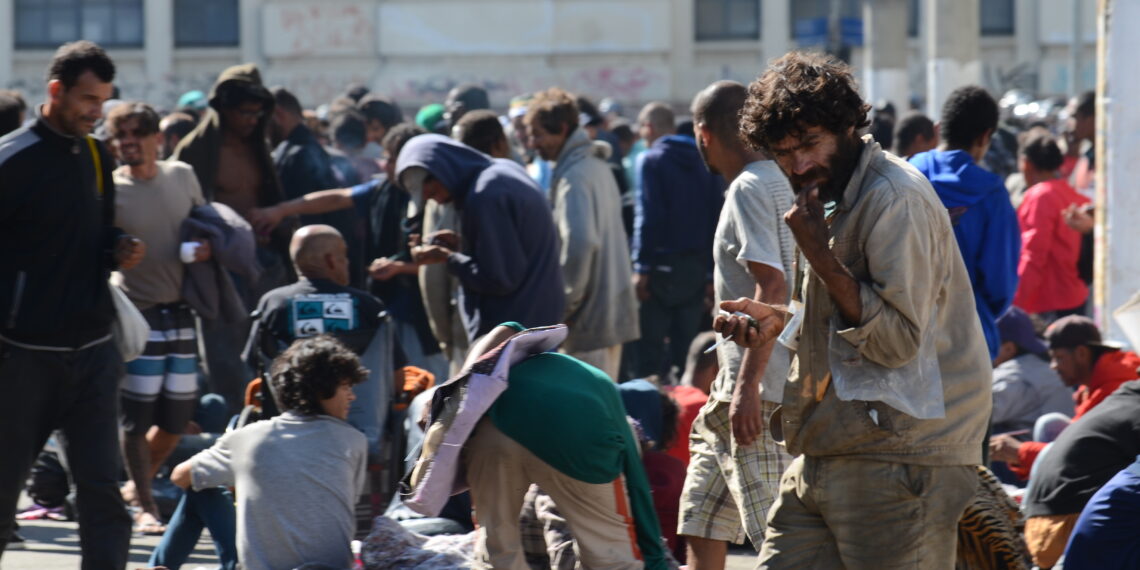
{"x": 1117, "y": 268}
{"x": 953, "y": 34}
{"x": 885, "y": 52}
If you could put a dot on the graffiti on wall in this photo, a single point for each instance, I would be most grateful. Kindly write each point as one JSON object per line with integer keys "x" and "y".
{"x": 292, "y": 31}
{"x": 632, "y": 83}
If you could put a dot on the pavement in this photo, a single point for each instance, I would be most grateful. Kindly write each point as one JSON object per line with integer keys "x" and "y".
{"x": 54, "y": 545}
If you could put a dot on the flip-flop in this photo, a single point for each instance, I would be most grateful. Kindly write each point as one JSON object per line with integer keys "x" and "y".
{"x": 38, "y": 512}
{"x": 149, "y": 525}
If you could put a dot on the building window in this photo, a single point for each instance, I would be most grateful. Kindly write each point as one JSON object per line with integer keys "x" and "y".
{"x": 996, "y": 17}
{"x": 49, "y": 23}
{"x": 728, "y": 20}
{"x": 205, "y": 23}
{"x": 811, "y": 21}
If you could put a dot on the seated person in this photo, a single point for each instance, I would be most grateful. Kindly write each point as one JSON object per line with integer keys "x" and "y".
{"x": 296, "y": 476}
{"x": 1107, "y": 534}
{"x": 692, "y": 393}
{"x": 1082, "y": 361}
{"x": 1073, "y": 468}
{"x": 319, "y": 302}
{"x": 1025, "y": 388}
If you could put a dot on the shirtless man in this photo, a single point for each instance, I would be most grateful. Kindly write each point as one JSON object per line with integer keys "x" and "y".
{"x": 230, "y": 156}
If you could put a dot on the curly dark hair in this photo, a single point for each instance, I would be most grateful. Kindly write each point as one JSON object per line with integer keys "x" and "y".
{"x": 311, "y": 370}
{"x": 552, "y": 109}
{"x": 798, "y": 91}
{"x": 968, "y": 113}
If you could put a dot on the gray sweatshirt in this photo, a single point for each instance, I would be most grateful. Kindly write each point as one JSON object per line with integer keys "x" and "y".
{"x": 297, "y": 479}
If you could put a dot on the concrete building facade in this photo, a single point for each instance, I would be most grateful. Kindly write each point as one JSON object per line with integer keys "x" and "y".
{"x": 632, "y": 50}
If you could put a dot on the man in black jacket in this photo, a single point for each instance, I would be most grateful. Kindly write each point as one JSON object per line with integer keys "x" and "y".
{"x": 59, "y": 368}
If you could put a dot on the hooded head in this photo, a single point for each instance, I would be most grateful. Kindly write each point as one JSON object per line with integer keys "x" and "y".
{"x": 436, "y": 167}
{"x": 242, "y": 101}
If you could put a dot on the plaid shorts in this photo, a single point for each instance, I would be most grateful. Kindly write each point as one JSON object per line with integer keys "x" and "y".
{"x": 728, "y": 489}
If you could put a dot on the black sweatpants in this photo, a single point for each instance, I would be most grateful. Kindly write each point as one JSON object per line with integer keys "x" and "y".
{"x": 77, "y": 393}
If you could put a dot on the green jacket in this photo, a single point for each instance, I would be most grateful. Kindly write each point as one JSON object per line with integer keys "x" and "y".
{"x": 571, "y": 416}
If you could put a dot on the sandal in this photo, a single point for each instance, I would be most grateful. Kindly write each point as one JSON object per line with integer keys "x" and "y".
{"x": 39, "y": 512}
{"x": 149, "y": 525}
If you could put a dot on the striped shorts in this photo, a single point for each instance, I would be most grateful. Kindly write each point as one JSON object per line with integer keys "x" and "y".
{"x": 729, "y": 489}
{"x": 161, "y": 386}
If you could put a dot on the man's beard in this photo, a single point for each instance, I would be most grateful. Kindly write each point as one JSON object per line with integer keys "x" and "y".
{"x": 833, "y": 179}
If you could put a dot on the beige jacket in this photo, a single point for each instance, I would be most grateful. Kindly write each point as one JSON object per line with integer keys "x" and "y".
{"x": 894, "y": 235}
{"x": 601, "y": 308}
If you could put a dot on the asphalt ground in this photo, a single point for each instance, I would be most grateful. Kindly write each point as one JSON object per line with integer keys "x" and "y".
{"x": 54, "y": 545}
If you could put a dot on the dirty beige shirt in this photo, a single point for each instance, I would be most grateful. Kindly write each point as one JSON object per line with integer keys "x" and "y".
{"x": 894, "y": 235}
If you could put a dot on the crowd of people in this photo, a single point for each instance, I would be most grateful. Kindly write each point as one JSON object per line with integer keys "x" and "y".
{"x": 523, "y": 305}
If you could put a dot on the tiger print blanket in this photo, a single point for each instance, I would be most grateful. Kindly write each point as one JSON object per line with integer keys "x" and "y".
{"x": 991, "y": 531}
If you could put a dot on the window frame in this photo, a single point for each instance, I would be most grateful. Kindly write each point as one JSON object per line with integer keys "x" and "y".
{"x": 43, "y": 39}
{"x": 725, "y": 20}
{"x": 206, "y": 44}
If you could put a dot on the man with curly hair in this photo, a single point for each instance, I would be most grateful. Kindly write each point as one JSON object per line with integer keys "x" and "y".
{"x": 297, "y": 476}
{"x": 888, "y": 398}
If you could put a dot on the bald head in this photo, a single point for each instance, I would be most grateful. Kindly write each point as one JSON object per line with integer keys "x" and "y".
{"x": 319, "y": 252}
{"x": 718, "y": 107}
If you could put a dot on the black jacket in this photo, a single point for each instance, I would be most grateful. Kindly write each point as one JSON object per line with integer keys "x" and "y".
{"x": 57, "y": 237}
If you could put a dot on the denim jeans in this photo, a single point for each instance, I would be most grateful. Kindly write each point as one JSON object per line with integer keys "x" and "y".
{"x": 212, "y": 509}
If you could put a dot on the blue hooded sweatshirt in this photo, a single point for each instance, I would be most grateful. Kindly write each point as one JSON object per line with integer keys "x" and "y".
{"x": 678, "y": 203}
{"x": 508, "y": 269}
{"x": 985, "y": 226}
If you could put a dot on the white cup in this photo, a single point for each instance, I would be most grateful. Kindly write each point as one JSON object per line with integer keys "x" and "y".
{"x": 188, "y": 251}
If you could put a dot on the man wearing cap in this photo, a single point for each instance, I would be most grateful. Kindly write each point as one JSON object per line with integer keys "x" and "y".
{"x": 1081, "y": 360}
{"x": 507, "y": 260}
{"x": 1025, "y": 388}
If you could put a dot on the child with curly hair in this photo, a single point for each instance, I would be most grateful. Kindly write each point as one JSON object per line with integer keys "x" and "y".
{"x": 297, "y": 476}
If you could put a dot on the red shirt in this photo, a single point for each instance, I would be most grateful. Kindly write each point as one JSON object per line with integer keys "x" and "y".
{"x": 1112, "y": 369}
{"x": 690, "y": 400}
{"x": 1047, "y": 271}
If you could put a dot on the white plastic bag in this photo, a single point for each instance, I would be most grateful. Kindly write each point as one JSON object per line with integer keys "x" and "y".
{"x": 130, "y": 331}
{"x": 914, "y": 388}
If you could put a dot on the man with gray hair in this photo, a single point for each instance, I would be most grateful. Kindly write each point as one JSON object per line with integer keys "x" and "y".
{"x": 735, "y": 464}
{"x": 671, "y": 267}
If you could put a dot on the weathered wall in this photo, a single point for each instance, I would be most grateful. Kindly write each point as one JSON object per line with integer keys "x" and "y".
{"x": 416, "y": 50}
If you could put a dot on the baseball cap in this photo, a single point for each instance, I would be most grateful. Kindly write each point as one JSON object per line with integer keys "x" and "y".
{"x": 1073, "y": 331}
{"x": 1016, "y": 327}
